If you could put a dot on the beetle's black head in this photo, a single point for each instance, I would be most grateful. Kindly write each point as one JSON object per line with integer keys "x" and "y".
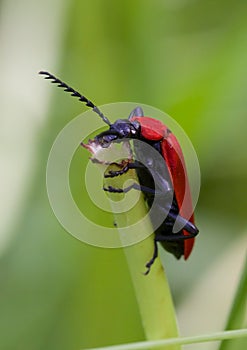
{"x": 120, "y": 129}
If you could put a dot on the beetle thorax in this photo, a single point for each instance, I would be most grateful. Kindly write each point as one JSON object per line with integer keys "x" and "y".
{"x": 125, "y": 128}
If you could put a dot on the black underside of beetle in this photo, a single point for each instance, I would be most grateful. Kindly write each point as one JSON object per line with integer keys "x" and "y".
{"x": 176, "y": 247}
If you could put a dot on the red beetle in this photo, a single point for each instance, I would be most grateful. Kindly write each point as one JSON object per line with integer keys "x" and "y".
{"x": 164, "y": 178}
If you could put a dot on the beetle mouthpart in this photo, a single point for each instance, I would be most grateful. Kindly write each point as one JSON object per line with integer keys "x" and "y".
{"x": 92, "y": 146}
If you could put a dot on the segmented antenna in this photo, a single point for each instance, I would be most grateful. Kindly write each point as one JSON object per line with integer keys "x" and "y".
{"x": 75, "y": 93}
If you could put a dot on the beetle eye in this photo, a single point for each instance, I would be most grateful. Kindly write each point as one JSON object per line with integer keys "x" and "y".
{"x": 104, "y": 143}
{"x": 125, "y": 131}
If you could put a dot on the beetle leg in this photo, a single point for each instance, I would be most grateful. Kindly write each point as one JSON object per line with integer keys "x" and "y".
{"x": 134, "y": 186}
{"x": 187, "y": 225}
{"x": 125, "y": 169}
{"x": 162, "y": 238}
{"x": 151, "y": 261}
{"x": 138, "y": 187}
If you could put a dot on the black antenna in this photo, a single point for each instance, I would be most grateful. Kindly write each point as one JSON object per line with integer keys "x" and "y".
{"x": 75, "y": 93}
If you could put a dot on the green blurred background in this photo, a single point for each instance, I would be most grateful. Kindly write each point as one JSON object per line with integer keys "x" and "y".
{"x": 185, "y": 57}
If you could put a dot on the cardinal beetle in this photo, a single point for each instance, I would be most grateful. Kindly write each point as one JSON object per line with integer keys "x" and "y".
{"x": 171, "y": 180}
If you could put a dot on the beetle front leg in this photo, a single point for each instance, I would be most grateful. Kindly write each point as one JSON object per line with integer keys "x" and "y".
{"x": 125, "y": 169}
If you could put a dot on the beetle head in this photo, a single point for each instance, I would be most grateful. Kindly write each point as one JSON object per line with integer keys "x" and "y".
{"x": 120, "y": 129}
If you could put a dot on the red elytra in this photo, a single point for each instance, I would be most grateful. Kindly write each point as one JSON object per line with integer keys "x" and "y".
{"x": 153, "y": 129}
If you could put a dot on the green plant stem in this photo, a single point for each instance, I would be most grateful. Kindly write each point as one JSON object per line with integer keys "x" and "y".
{"x": 152, "y": 290}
